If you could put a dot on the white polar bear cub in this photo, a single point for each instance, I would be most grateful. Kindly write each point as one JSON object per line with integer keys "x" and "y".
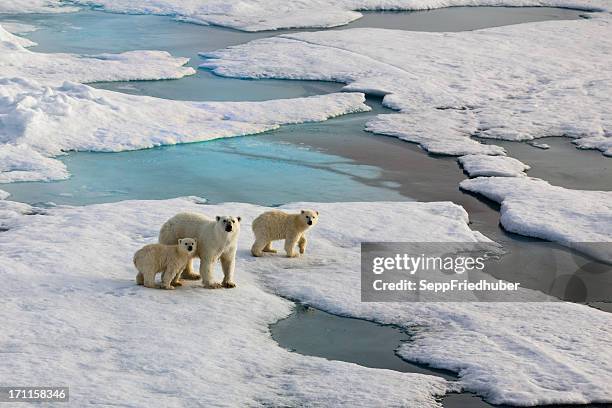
{"x": 217, "y": 240}
{"x": 274, "y": 225}
{"x": 168, "y": 259}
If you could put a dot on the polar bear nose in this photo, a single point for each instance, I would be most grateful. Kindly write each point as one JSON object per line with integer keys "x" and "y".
{"x": 309, "y": 222}
{"x": 228, "y": 228}
{"x": 190, "y": 248}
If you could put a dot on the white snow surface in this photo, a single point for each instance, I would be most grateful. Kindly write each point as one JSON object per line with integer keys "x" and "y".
{"x": 4, "y": 195}
{"x": 258, "y": 15}
{"x": 16, "y": 27}
{"x": 40, "y": 121}
{"x": 111, "y": 340}
{"x": 111, "y": 346}
{"x": 10, "y": 41}
{"x": 579, "y": 219}
{"x": 516, "y": 82}
{"x": 17, "y": 61}
{"x": 484, "y": 165}
{"x": 35, "y": 6}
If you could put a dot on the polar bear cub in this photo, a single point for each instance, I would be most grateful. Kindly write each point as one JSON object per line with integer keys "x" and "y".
{"x": 168, "y": 259}
{"x": 217, "y": 240}
{"x": 275, "y": 225}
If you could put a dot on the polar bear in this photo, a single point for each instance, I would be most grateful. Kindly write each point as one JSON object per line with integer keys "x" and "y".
{"x": 217, "y": 240}
{"x": 168, "y": 259}
{"x": 274, "y": 225}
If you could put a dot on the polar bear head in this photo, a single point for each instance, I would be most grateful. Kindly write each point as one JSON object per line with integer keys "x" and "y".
{"x": 228, "y": 224}
{"x": 309, "y": 217}
{"x": 187, "y": 245}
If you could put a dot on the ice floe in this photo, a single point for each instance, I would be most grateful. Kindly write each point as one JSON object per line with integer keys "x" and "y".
{"x": 70, "y": 280}
{"x": 35, "y": 6}
{"x": 258, "y": 15}
{"x": 484, "y": 165}
{"x": 17, "y": 61}
{"x": 579, "y": 219}
{"x": 22, "y": 163}
{"x": 4, "y": 195}
{"x": 18, "y": 28}
{"x": 514, "y": 83}
{"x": 42, "y": 121}
{"x": 110, "y": 346}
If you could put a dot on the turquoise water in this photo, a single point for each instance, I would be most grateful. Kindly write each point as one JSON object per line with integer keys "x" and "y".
{"x": 243, "y": 169}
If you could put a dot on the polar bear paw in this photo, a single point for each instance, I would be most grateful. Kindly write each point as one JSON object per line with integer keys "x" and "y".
{"x": 228, "y": 285}
{"x": 212, "y": 285}
{"x": 190, "y": 276}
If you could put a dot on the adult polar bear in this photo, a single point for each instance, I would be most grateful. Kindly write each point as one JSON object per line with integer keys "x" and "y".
{"x": 217, "y": 240}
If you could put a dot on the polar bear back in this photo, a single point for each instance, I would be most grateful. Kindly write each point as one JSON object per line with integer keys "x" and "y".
{"x": 275, "y": 224}
{"x": 159, "y": 257}
{"x": 185, "y": 225}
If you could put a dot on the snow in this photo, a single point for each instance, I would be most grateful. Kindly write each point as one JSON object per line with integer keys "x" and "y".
{"x": 10, "y": 41}
{"x": 4, "y": 195}
{"x": 517, "y": 82}
{"x": 22, "y": 163}
{"x": 35, "y": 6}
{"x": 435, "y": 131}
{"x": 70, "y": 279}
{"x": 42, "y": 121}
{"x": 258, "y": 15}
{"x": 543, "y": 146}
{"x": 483, "y": 165}
{"x": 15, "y": 27}
{"x": 112, "y": 346}
{"x": 17, "y": 61}
{"x": 579, "y": 219}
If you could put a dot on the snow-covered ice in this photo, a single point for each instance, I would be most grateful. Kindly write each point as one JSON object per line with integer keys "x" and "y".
{"x": 543, "y": 146}
{"x": 579, "y": 219}
{"x": 17, "y": 61}
{"x": 42, "y": 121}
{"x": 10, "y": 42}
{"x": 258, "y": 15}
{"x": 4, "y": 195}
{"x": 197, "y": 346}
{"x": 516, "y": 82}
{"x": 18, "y": 28}
{"x": 22, "y": 163}
{"x": 484, "y": 165}
{"x": 35, "y": 6}
{"x": 69, "y": 295}
{"x": 436, "y": 131}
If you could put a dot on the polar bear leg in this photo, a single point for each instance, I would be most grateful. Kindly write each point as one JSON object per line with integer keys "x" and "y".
{"x": 227, "y": 263}
{"x": 268, "y": 248}
{"x": 258, "y": 247}
{"x": 302, "y": 243}
{"x": 168, "y": 277}
{"x": 139, "y": 278}
{"x": 149, "y": 279}
{"x": 290, "y": 243}
{"x": 206, "y": 270}
{"x": 188, "y": 272}
{"x": 177, "y": 280}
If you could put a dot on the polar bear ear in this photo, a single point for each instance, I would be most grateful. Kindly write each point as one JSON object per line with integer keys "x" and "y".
{"x": 303, "y": 211}
{"x": 317, "y": 212}
{"x": 180, "y": 242}
{"x": 218, "y": 218}
{"x": 239, "y": 219}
